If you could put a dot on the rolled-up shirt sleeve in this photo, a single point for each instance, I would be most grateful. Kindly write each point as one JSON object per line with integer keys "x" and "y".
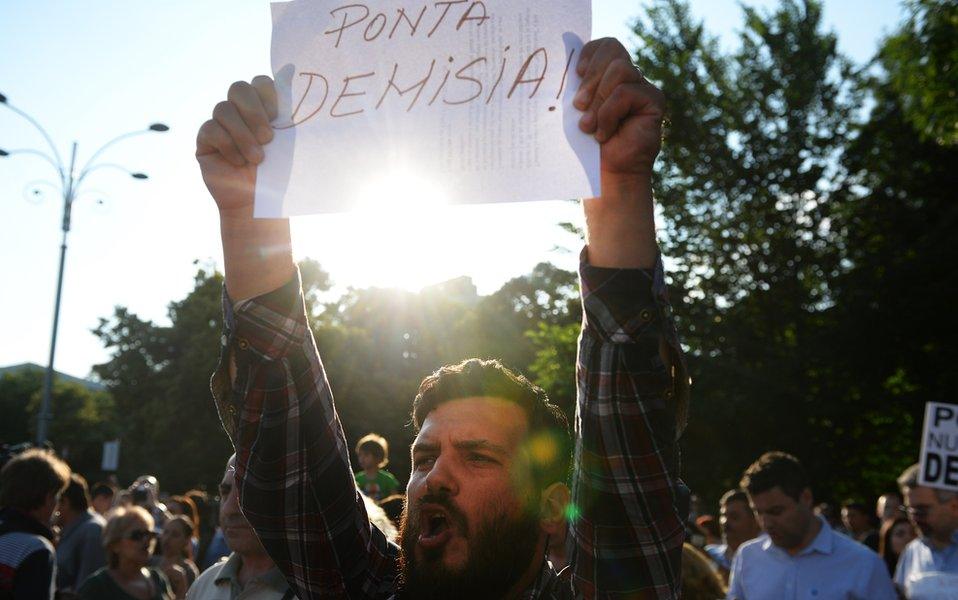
{"x": 632, "y": 403}
{"x": 293, "y": 474}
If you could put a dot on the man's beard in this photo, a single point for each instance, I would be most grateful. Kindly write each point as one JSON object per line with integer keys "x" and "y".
{"x": 499, "y": 554}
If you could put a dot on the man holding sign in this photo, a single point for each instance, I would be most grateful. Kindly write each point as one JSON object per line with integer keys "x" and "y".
{"x": 489, "y": 460}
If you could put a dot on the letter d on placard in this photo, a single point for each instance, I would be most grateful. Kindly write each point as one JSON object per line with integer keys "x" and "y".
{"x": 939, "y": 446}
{"x": 932, "y": 468}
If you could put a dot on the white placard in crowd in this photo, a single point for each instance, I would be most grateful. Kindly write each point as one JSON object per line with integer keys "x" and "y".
{"x": 939, "y": 446}
{"x": 471, "y": 100}
{"x": 111, "y": 455}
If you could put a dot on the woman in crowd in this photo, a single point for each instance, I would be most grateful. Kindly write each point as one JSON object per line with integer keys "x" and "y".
{"x": 128, "y": 539}
{"x": 176, "y": 554}
{"x": 184, "y": 505}
{"x": 895, "y": 535}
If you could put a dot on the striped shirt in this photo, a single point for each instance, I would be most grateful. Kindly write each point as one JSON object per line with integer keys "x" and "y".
{"x": 297, "y": 489}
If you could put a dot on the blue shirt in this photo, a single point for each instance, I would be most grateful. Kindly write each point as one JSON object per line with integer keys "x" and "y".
{"x": 717, "y": 553}
{"x": 921, "y": 557}
{"x": 832, "y": 567}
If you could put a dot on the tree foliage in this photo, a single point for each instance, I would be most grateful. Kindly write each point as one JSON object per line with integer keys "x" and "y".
{"x": 788, "y": 214}
{"x": 921, "y": 61}
{"x": 82, "y": 418}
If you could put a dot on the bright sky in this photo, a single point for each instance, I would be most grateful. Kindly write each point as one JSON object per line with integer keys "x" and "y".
{"x": 91, "y": 70}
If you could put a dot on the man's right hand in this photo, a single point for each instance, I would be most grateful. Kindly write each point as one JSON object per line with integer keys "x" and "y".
{"x": 230, "y": 145}
{"x": 257, "y": 252}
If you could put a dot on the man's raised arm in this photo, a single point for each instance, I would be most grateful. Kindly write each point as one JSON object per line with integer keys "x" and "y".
{"x": 632, "y": 387}
{"x": 292, "y": 463}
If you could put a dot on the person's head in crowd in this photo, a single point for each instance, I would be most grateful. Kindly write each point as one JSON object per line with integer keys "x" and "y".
{"x": 74, "y": 501}
{"x": 895, "y": 535}
{"x": 888, "y": 506}
{"x": 183, "y": 505}
{"x": 856, "y": 517}
{"x": 737, "y": 519}
{"x": 490, "y": 462}
{"x": 102, "y": 496}
{"x": 145, "y": 491}
{"x": 827, "y": 511}
{"x": 379, "y": 518}
{"x": 176, "y": 539}
{"x": 781, "y": 496}
{"x": 933, "y": 511}
{"x": 239, "y": 534}
{"x": 32, "y": 482}
{"x": 204, "y": 520}
{"x": 372, "y": 452}
{"x": 124, "y": 499}
{"x": 129, "y": 538}
{"x": 699, "y": 579}
{"x": 710, "y": 529}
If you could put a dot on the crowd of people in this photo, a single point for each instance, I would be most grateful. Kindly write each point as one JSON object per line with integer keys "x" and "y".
{"x": 772, "y": 540}
{"x": 61, "y": 538}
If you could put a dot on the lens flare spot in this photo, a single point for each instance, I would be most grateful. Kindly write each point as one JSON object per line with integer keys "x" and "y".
{"x": 543, "y": 449}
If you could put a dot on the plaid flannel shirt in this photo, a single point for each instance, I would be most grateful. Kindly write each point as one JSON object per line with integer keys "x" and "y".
{"x": 296, "y": 483}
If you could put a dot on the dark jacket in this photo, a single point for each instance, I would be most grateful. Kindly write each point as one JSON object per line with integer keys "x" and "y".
{"x": 28, "y": 561}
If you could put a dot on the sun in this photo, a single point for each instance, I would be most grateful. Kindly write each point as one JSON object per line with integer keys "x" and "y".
{"x": 402, "y": 233}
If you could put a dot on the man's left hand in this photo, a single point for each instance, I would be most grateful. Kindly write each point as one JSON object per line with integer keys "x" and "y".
{"x": 621, "y": 109}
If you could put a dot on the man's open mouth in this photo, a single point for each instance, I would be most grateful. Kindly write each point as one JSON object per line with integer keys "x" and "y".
{"x": 435, "y": 528}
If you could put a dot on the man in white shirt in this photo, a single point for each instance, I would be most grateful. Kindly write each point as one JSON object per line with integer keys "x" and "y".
{"x": 799, "y": 555}
{"x": 931, "y": 560}
{"x": 248, "y": 573}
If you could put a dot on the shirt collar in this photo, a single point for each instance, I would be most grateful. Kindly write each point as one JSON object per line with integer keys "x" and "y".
{"x": 823, "y": 543}
{"x": 229, "y": 573}
{"x": 230, "y": 568}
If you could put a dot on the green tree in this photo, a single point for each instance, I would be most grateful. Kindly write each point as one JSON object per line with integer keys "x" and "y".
{"x": 82, "y": 418}
{"x": 553, "y": 368}
{"x": 746, "y": 179}
{"x": 159, "y": 376}
{"x": 921, "y": 65}
{"x": 810, "y": 238}
{"x": 893, "y": 341}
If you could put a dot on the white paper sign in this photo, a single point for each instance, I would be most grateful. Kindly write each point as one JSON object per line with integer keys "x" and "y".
{"x": 473, "y": 98}
{"x": 111, "y": 455}
{"x": 939, "y": 446}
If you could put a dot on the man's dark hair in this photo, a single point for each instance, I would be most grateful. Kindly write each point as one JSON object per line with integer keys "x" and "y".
{"x": 490, "y": 378}
{"x": 775, "y": 469}
{"x": 77, "y": 494}
{"x": 27, "y": 480}
{"x": 855, "y": 505}
{"x": 735, "y": 495}
{"x": 101, "y": 488}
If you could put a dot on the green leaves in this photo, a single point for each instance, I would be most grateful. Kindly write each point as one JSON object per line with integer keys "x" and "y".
{"x": 805, "y": 235}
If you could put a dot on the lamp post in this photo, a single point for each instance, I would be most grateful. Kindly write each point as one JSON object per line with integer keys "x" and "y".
{"x": 70, "y": 181}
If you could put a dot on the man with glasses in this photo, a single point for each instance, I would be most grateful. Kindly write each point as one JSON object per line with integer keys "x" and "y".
{"x": 248, "y": 573}
{"x": 932, "y": 558}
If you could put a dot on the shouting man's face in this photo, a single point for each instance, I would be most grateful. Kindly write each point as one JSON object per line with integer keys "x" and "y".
{"x": 470, "y": 527}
